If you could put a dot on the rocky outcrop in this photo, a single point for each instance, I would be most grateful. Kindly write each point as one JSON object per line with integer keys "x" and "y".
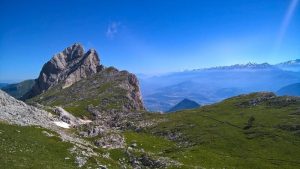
{"x": 68, "y": 118}
{"x": 17, "y": 112}
{"x": 267, "y": 98}
{"x": 66, "y": 68}
{"x": 134, "y": 93}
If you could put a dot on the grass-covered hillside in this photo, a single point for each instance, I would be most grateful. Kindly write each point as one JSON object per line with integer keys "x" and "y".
{"x": 252, "y": 131}
{"x": 33, "y": 148}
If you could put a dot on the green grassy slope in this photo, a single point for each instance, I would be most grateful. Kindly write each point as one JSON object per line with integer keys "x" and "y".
{"x": 257, "y": 131}
{"x": 29, "y": 147}
{"x": 222, "y": 136}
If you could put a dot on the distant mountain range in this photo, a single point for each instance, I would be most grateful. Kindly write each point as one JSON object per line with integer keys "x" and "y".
{"x": 210, "y": 85}
{"x": 161, "y": 93}
{"x": 249, "y": 65}
{"x": 292, "y": 65}
{"x": 184, "y": 105}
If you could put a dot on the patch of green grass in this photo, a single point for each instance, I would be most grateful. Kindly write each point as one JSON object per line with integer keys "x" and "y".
{"x": 80, "y": 108}
{"x": 149, "y": 143}
{"x": 217, "y": 137}
{"x": 109, "y": 157}
{"x": 29, "y": 147}
{"x": 78, "y": 111}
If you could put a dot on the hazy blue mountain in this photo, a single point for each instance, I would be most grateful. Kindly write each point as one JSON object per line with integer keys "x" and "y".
{"x": 211, "y": 85}
{"x": 17, "y": 90}
{"x": 183, "y": 105}
{"x": 3, "y": 84}
{"x": 290, "y": 90}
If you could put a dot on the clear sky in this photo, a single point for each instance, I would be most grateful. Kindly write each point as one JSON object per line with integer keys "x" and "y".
{"x": 148, "y": 36}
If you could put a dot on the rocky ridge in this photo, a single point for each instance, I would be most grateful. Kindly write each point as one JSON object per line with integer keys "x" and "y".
{"x": 67, "y": 67}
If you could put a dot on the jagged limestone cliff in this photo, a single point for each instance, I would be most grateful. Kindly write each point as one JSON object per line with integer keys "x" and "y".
{"x": 67, "y": 67}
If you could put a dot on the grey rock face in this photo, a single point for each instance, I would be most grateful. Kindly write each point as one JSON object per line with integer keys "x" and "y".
{"x": 135, "y": 93}
{"x": 17, "y": 112}
{"x": 66, "y": 67}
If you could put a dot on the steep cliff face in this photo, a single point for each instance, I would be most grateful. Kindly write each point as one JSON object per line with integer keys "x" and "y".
{"x": 66, "y": 68}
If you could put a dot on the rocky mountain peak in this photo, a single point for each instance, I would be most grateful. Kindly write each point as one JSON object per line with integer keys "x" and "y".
{"x": 66, "y": 68}
{"x": 73, "y": 52}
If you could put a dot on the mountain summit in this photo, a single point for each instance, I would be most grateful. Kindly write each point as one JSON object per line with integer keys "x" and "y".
{"x": 67, "y": 67}
{"x": 184, "y": 104}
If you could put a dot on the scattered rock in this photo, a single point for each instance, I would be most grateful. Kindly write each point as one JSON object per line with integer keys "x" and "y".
{"x": 269, "y": 99}
{"x": 66, "y": 116}
{"x": 133, "y": 145}
{"x": 103, "y": 167}
{"x": 111, "y": 141}
{"x": 80, "y": 161}
{"x": 47, "y": 134}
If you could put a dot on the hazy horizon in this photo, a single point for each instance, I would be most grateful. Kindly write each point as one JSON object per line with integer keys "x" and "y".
{"x": 148, "y": 37}
{"x": 150, "y": 74}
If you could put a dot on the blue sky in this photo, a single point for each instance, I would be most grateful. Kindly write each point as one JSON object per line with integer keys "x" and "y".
{"x": 148, "y": 37}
